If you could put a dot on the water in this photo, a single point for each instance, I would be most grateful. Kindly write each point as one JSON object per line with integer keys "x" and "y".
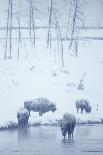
{"x": 47, "y": 140}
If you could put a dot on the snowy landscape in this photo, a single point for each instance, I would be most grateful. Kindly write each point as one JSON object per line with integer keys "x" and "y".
{"x": 51, "y": 77}
{"x": 28, "y": 72}
{"x": 29, "y": 79}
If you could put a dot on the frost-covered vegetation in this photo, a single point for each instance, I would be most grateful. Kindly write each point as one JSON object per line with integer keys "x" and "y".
{"x": 68, "y": 124}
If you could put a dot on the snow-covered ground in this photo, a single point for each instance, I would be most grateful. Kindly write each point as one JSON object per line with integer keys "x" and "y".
{"x": 41, "y": 77}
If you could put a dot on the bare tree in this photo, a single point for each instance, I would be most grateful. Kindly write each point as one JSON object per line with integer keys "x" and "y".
{"x": 11, "y": 16}
{"x": 75, "y": 20}
{"x": 7, "y": 30}
{"x": 32, "y": 20}
{"x": 33, "y": 25}
{"x": 59, "y": 37}
{"x": 50, "y": 22}
{"x": 34, "y": 14}
{"x": 19, "y": 37}
{"x": 69, "y": 15}
{"x": 32, "y": 7}
{"x": 54, "y": 24}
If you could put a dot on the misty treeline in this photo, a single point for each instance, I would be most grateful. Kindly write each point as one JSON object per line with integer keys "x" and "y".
{"x": 60, "y": 19}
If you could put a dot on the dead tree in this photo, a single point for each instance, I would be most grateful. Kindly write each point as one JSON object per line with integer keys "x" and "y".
{"x": 32, "y": 21}
{"x": 19, "y": 37}
{"x": 33, "y": 25}
{"x": 34, "y": 13}
{"x": 10, "y": 27}
{"x": 7, "y": 30}
{"x": 53, "y": 24}
{"x": 75, "y": 20}
{"x": 30, "y": 17}
{"x": 50, "y": 22}
{"x": 59, "y": 37}
{"x": 69, "y": 15}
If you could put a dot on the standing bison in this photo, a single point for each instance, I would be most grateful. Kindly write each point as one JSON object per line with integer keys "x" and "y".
{"x": 83, "y": 104}
{"x": 22, "y": 116}
{"x": 68, "y": 124}
{"x": 41, "y": 105}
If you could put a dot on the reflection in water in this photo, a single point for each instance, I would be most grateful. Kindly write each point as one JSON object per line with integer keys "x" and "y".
{"x": 83, "y": 131}
{"x": 23, "y": 133}
{"x": 70, "y": 141}
{"x": 46, "y": 133}
{"x": 47, "y": 140}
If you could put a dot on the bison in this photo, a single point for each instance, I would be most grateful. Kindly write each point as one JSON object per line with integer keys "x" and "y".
{"x": 67, "y": 125}
{"x": 41, "y": 105}
{"x": 22, "y": 116}
{"x": 83, "y": 104}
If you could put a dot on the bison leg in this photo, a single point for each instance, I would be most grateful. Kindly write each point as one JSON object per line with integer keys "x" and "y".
{"x": 69, "y": 135}
{"x": 81, "y": 110}
{"x": 77, "y": 110}
{"x": 72, "y": 135}
{"x": 28, "y": 111}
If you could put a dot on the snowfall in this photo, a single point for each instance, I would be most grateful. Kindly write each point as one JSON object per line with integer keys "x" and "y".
{"x": 44, "y": 76}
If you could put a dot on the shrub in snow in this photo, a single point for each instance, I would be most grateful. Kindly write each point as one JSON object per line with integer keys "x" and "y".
{"x": 22, "y": 116}
{"x": 83, "y": 104}
{"x": 41, "y": 105}
{"x": 68, "y": 124}
{"x": 80, "y": 85}
{"x": 97, "y": 108}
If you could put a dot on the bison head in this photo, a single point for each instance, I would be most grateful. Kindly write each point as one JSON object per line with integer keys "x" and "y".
{"x": 53, "y": 107}
{"x": 88, "y": 109}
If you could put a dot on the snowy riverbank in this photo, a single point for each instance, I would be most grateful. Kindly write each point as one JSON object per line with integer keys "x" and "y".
{"x": 41, "y": 77}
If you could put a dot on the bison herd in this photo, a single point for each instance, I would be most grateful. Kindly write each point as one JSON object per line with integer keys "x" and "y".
{"x": 43, "y": 105}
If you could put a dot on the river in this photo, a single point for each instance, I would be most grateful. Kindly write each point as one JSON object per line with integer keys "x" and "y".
{"x": 47, "y": 140}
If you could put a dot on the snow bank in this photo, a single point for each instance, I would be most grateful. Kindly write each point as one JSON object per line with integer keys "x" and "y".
{"x": 29, "y": 78}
